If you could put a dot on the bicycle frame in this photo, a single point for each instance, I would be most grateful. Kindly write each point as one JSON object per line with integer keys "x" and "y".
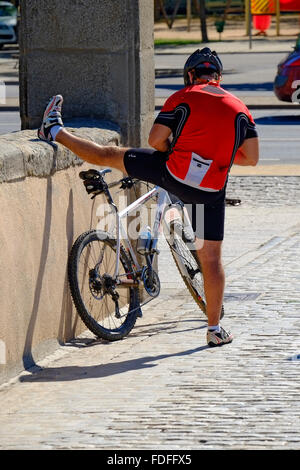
{"x": 162, "y": 202}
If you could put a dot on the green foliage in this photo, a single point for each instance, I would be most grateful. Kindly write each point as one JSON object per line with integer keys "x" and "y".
{"x": 175, "y": 42}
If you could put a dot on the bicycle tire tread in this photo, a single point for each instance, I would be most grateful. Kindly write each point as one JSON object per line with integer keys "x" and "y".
{"x": 200, "y": 302}
{"x": 89, "y": 322}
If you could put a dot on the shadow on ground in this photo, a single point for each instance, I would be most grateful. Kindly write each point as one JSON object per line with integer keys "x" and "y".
{"x": 280, "y": 120}
{"x": 71, "y": 373}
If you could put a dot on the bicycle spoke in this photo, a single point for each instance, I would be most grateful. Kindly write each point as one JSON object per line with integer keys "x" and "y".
{"x": 103, "y": 304}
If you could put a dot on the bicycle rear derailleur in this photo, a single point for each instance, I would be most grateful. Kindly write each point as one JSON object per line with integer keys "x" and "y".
{"x": 104, "y": 285}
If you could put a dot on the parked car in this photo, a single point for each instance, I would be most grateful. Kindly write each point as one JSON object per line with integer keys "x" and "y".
{"x": 8, "y": 23}
{"x": 287, "y": 80}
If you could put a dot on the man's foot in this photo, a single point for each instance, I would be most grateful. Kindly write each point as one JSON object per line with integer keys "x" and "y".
{"x": 218, "y": 339}
{"x": 51, "y": 118}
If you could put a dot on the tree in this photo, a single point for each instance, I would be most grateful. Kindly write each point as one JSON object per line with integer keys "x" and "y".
{"x": 200, "y": 7}
{"x": 168, "y": 20}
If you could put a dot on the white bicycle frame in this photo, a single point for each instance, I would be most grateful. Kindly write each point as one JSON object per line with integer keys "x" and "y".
{"x": 163, "y": 201}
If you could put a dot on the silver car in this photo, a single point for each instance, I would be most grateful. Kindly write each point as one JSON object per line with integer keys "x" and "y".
{"x": 8, "y": 23}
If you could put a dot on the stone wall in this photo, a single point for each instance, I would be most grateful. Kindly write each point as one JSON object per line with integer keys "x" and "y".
{"x": 99, "y": 56}
{"x": 44, "y": 208}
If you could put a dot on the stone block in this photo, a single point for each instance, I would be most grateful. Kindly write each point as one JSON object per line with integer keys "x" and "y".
{"x": 98, "y": 55}
{"x": 23, "y": 154}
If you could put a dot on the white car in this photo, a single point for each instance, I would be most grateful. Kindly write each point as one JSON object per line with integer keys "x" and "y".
{"x": 8, "y": 23}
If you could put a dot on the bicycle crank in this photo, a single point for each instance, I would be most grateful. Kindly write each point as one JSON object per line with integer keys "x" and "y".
{"x": 151, "y": 282}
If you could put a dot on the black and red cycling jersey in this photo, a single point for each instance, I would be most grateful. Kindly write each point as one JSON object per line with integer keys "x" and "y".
{"x": 208, "y": 125}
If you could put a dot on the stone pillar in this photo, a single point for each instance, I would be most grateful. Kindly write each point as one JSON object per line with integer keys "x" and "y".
{"x": 97, "y": 54}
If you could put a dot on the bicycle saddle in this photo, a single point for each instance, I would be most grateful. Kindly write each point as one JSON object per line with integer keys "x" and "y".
{"x": 93, "y": 174}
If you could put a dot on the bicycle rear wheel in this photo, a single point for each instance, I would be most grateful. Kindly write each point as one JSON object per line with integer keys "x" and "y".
{"x": 187, "y": 263}
{"x": 107, "y": 308}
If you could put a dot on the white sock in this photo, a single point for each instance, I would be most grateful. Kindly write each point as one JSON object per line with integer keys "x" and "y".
{"x": 54, "y": 131}
{"x": 214, "y": 328}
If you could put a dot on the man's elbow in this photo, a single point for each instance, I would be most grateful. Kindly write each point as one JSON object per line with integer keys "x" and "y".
{"x": 152, "y": 141}
{"x": 250, "y": 149}
{"x": 158, "y": 144}
{"x": 254, "y": 160}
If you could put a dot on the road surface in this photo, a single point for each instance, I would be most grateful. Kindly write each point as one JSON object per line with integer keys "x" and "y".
{"x": 244, "y": 75}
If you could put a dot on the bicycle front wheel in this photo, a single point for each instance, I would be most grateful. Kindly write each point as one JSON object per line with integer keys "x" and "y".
{"x": 188, "y": 265}
{"x": 107, "y": 306}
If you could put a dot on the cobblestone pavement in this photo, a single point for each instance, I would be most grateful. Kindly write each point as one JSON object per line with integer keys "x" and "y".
{"x": 161, "y": 387}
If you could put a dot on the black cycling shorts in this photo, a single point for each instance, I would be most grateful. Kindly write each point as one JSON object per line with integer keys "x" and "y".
{"x": 206, "y": 209}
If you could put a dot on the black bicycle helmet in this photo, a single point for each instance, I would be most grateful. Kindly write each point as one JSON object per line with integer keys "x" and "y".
{"x": 203, "y": 61}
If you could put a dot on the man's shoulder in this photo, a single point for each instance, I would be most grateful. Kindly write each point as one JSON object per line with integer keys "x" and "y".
{"x": 175, "y": 99}
{"x": 232, "y": 96}
{"x": 196, "y": 93}
{"x": 179, "y": 93}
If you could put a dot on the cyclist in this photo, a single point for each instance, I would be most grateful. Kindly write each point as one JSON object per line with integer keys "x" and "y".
{"x": 199, "y": 133}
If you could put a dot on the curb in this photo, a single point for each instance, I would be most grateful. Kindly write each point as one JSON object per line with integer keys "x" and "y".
{"x": 270, "y": 106}
{"x": 189, "y": 50}
{"x": 168, "y": 72}
{"x": 9, "y": 82}
{"x": 253, "y": 106}
{"x": 9, "y": 108}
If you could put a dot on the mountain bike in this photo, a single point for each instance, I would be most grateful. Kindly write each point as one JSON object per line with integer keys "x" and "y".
{"x": 107, "y": 275}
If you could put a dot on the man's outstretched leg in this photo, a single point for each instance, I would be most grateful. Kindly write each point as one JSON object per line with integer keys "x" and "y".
{"x": 52, "y": 129}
